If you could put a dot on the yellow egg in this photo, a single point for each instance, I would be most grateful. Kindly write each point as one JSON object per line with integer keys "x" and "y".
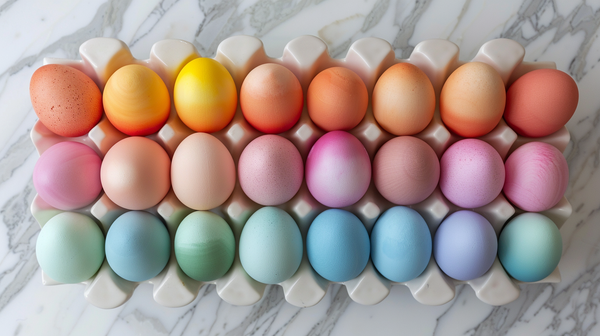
{"x": 205, "y": 95}
{"x": 136, "y": 100}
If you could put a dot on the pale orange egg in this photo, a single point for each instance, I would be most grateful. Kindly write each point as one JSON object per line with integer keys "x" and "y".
{"x": 403, "y": 100}
{"x": 472, "y": 100}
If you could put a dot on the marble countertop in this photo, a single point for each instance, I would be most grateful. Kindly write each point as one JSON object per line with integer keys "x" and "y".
{"x": 563, "y": 31}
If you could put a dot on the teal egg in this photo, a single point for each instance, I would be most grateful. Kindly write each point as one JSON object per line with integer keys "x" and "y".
{"x": 204, "y": 246}
{"x": 70, "y": 248}
{"x": 270, "y": 246}
{"x": 530, "y": 247}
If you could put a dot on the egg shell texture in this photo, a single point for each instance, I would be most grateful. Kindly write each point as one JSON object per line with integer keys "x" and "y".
{"x": 537, "y": 176}
{"x": 65, "y": 99}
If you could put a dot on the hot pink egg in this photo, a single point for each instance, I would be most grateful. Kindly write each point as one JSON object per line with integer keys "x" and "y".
{"x": 338, "y": 169}
{"x": 537, "y": 176}
{"x": 67, "y": 175}
{"x": 270, "y": 170}
{"x": 472, "y": 173}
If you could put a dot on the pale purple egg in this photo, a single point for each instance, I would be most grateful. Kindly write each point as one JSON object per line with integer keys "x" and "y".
{"x": 270, "y": 170}
{"x": 537, "y": 176}
{"x": 338, "y": 169}
{"x": 471, "y": 173}
{"x": 67, "y": 175}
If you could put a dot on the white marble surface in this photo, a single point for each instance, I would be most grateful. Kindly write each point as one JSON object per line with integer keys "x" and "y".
{"x": 562, "y": 31}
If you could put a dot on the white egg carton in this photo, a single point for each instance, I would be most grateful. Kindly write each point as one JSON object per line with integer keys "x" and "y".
{"x": 305, "y": 56}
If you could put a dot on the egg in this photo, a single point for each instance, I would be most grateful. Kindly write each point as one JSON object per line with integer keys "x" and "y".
{"x": 70, "y": 248}
{"x": 471, "y": 173}
{"x": 472, "y": 100}
{"x": 204, "y": 246}
{"x": 337, "y": 99}
{"x": 270, "y": 246}
{"x": 403, "y": 100}
{"x": 136, "y": 100}
{"x": 270, "y": 170}
{"x": 400, "y": 244}
{"x": 205, "y": 95}
{"x": 537, "y": 176}
{"x": 530, "y": 247}
{"x": 338, "y": 245}
{"x": 135, "y": 173}
{"x": 406, "y": 170}
{"x": 541, "y": 102}
{"x": 65, "y": 99}
{"x": 138, "y": 246}
{"x": 67, "y": 175}
{"x": 202, "y": 172}
{"x": 271, "y": 98}
{"x": 465, "y": 245}
{"x": 338, "y": 169}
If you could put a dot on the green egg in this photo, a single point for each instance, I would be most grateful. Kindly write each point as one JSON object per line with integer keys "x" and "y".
{"x": 204, "y": 246}
{"x": 70, "y": 248}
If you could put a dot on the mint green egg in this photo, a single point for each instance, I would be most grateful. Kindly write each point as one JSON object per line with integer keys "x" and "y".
{"x": 70, "y": 248}
{"x": 530, "y": 247}
{"x": 204, "y": 246}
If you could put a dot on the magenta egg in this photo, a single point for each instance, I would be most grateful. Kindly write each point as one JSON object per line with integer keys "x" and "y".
{"x": 471, "y": 173}
{"x": 270, "y": 170}
{"x": 67, "y": 175}
{"x": 338, "y": 169}
{"x": 537, "y": 176}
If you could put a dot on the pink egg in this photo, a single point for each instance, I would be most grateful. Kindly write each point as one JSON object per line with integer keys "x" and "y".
{"x": 270, "y": 170}
{"x": 537, "y": 176}
{"x": 338, "y": 169}
{"x": 67, "y": 175}
{"x": 472, "y": 173}
{"x": 406, "y": 170}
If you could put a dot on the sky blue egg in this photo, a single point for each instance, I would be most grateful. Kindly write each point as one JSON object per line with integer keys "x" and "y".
{"x": 338, "y": 245}
{"x": 138, "y": 246}
{"x": 530, "y": 247}
{"x": 401, "y": 244}
{"x": 465, "y": 245}
{"x": 270, "y": 246}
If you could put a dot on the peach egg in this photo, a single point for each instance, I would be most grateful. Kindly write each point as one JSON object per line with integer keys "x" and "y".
{"x": 403, "y": 100}
{"x": 271, "y": 98}
{"x": 205, "y": 95}
{"x": 136, "y": 100}
{"x": 337, "y": 99}
{"x": 472, "y": 100}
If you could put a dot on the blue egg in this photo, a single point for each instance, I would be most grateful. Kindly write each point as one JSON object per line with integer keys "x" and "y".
{"x": 400, "y": 244}
{"x": 138, "y": 246}
{"x": 530, "y": 247}
{"x": 270, "y": 246}
{"x": 338, "y": 245}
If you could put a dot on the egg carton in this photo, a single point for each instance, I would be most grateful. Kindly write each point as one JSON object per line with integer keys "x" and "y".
{"x": 305, "y": 56}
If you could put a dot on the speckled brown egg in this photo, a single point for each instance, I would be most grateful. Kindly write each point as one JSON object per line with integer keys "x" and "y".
{"x": 66, "y": 100}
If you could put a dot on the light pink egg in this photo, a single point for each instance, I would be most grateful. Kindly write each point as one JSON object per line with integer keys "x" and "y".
{"x": 472, "y": 173}
{"x": 270, "y": 170}
{"x": 202, "y": 172}
{"x": 537, "y": 176}
{"x": 406, "y": 170}
{"x": 67, "y": 175}
{"x": 338, "y": 169}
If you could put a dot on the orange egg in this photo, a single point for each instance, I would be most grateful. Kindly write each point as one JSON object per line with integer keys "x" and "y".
{"x": 65, "y": 99}
{"x": 136, "y": 100}
{"x": 271, "y": 98}
{"x": 403, "y": 100}
{"x": 337, "y": 99}
{"x": 472, "y": 100}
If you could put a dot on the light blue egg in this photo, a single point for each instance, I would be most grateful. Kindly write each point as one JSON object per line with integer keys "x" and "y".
{"x": 138, "y": 246}
{"x": 400, "y": 244}
{"x": 270, "y": 246}
{"x": 530, "y": 247}
{"x": 338, "y": 245}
